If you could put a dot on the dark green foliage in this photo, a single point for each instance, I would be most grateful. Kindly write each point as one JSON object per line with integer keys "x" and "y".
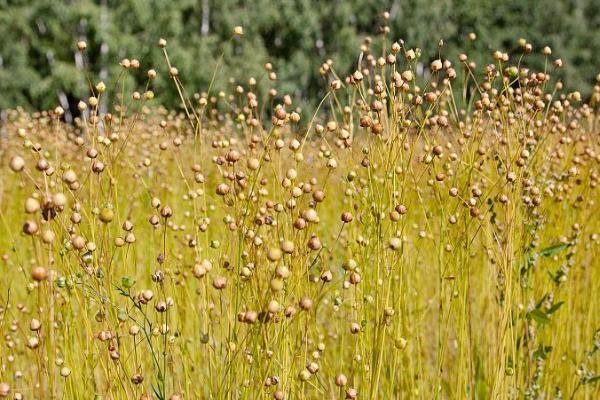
{"x": 40, "y": 68}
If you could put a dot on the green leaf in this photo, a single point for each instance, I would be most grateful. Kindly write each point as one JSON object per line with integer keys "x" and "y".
{"x": 127, "y": 282}
{"x": 555, "y": 249}
{"x": 157, "y": 392}
{"x": 542, "y": 351}
{"x": 593, "y": 379}
{"x": 538, "y": 316}
{"x": 555, "y": 308}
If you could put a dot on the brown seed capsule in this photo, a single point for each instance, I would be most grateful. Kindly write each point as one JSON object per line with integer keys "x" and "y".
{"x": 327, "y": 276}
{"x": 30, "y": 227}
{"x": 232, "y": 156}
{"x": 137, "y": 379}
{"x": 161, "y": 306}
{"x": 31, "y": 205}
{"x": 319, "y": 196}
{"x": 341, "y": 380}
{"x": 253, "y": 164}
{"x": 250, "y": 317}
{"x": 280, "y": 113}
{"x": 78, "y": 242}
{"x": 395, "y": 243}
{"x": 314, "y": 243}
{"x": 274, "y": 254}
{"x": 290, "y": 311}
{"x": 354, "y": 278}
{"x": 351, "y": 393}
{"x": 365, "y": 121}
{"x": 436, "y": 65}
{"x": 166, "y": 212}
{"x": 300, "y": 223}
{"x": 347, "y": 217}
{"x": 35, "y": 325}
{"x": 222, "y": 189}
{"x": 287, "y": 246}
{"x": 310, "y": 215}
{"x": 5, "y": 389}
{"x": 69, "y": 176}
{"x": 220, "y": 283}
{"x": 305, "y": 303}
{"x": 48, "y": 236}
{"x": 154, "y": 220}
{"x": 17, "y": 164}
{"x": 401, "y": 208}
{"x": 127, "y": 225}
{"x": 39, "y": 274}
{"x": 377, "y": 128}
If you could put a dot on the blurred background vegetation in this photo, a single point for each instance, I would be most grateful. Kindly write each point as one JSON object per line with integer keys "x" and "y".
{"x": 40, "y": 67}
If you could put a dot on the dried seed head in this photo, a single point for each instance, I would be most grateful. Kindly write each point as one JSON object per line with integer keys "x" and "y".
{"x": 220, "y": 283}
{"x": 436, "y": 65}
{"x": 305, "y": 303}
{"x": 341, "y": 380}
{"x": 238, "y": 31}
{"x": 100, "y": 87}
{"x": 222, "y": 189}
{"x": 30, "y": 227}
{"x": 78, "y": 242}
{"x": 39, "y": 274}
{"x": 48, "y": 236}
{"x": 351, "y": 393}
{"x": 166, "y": 212}
{"x": 401, "y": 209}
{"x": 274, "y": 254}
{"x": 287, "y": 246}
{"x": 4, "y": 389}
{"x": 35, "y": 325}
{"x": 17, "y": 163}
{"x": 395, "y": 243}
{"x": 347, "y": 217}
{"x": 31, "y": 205}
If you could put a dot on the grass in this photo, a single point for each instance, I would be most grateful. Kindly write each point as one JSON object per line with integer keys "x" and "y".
{"x": 428, "y": 237}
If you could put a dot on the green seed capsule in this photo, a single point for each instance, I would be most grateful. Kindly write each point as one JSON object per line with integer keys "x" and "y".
{"x": 122, "y": 315}
{"x": 106, "y": 215}
{"x": 61, "y": 282}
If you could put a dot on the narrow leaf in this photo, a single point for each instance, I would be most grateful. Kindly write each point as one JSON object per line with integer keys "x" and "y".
{"x": 539, "y": 316}
{"x": 555, "y": 249}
